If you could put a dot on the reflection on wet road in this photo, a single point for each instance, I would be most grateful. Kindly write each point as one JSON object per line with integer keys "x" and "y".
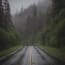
{"x": 31, "y": 56}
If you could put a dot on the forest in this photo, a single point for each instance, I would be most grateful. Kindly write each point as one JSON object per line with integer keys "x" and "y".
{"x": 41, "y": 24}
{"x": 8, "y": 35}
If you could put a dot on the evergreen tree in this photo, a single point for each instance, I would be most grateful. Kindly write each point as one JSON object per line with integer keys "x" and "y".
{"x": 8, "y": 21}
{"x": 1, "y": 14}
{"x": 34, "y": 18}
{"x": 57, "y": 6}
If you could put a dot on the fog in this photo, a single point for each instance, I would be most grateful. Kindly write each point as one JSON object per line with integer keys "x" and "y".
{"x": 16, "y": 5}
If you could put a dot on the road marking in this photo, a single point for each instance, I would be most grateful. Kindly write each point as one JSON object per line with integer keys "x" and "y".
{"x": 30, "y": 56}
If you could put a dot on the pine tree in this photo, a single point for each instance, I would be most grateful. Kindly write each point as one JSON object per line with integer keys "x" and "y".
{"x": 57, "y": 6}
{"x": 8, "y": 21}
{"x": 34, "y": 18}
{"x": 1, "y": 14}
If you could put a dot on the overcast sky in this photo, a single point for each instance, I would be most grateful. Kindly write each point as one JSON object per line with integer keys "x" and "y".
{"x": 16, "y": 5}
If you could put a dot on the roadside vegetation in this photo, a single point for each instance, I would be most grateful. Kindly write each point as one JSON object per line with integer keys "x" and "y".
{"x": 9, "y": 37}
{"x": 53, "y": 36}
{"x": 8, "y": 51}
{"x": 58, "y": 53}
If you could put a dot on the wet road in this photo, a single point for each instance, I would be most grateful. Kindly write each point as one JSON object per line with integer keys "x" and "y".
{"x": 31, "y": 56}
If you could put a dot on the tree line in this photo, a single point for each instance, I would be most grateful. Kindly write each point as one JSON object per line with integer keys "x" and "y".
{"x": 54, "y": 33}
{"x": 8, "y": 35}
{"x": 45, "y": 26}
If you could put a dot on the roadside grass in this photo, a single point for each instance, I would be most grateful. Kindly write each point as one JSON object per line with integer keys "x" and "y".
{"x": 8, "y": 51}
{"x": 56, "y": 52}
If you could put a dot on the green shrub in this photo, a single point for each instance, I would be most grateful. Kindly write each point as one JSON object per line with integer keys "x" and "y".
{"x": 8, "y": 39}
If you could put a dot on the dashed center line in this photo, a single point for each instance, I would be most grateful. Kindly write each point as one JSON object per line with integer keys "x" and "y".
{"x": 30, "y": 56}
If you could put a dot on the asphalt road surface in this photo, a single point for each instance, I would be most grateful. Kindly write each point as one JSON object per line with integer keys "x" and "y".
{"x": 31, "y": 56}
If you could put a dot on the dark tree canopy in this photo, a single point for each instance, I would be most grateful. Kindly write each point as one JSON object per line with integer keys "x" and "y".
{"x": 8, "y": 36}
{"x": 57, "y": 6}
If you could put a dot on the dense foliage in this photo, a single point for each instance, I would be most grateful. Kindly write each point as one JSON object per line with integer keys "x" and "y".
{"x": 8, "y": 36}
{"x": 54, "y": 32}
{"x": 43, "y": 22}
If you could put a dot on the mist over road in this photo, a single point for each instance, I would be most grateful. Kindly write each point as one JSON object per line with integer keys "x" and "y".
{"x": 31, "y": 56}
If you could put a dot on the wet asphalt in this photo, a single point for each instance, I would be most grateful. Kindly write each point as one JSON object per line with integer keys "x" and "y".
{"x": 31, "y": 56}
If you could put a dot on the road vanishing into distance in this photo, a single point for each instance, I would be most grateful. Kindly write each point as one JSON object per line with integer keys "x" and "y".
{"x": 31, "y": 55}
